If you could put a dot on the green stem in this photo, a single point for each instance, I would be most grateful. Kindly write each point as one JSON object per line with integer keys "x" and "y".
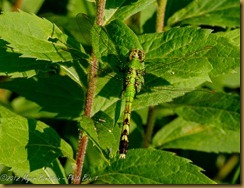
{"x": 227, "y": 168}
{"x": 83, "y": 140}
{"x": 149, "y": 125}
{"x": 160, "y": 15}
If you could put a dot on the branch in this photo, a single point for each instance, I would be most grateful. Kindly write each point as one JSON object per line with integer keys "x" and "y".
{"x": 149, "y": 125}
{"x": 160, "y": 15}
{"x": 17, "y": 5}
{"x": 83, "y": 140}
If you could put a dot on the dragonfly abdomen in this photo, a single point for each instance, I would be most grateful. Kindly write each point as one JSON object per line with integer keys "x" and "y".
{"x": 130, "y": 92}
{"x": 133, "y": 82}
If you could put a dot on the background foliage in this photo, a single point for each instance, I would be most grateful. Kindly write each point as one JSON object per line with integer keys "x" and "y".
{"x": 44, "y": 57}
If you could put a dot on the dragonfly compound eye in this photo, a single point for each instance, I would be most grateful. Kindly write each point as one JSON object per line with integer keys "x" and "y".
{"x": 138, "y": 54}
{"x": 141, "y": 55}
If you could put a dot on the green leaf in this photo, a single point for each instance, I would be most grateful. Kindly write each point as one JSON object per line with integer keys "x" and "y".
{"x": 94, "y": 160}
{"x": 57, "y": 94}
{"x": 222, "y": 110}
{"x": 75, "y": 7}
{"x": 123, "y": 9}
{"x": 177, "y": 62}
{"x": 233, "y": 37}
{"x": 122, "y": 36}
{"x": 171, "y": 62}
{"x": 231, "y": 80}
{"x": 181, "y": 59}
{"x": 148, "y": 166}
{"x": 174, "y": 65}
{"x": 178, "y": 54}
{"x": 49, "y": 175}
{"x": 36, "y": 37}
{"x": 225, "y": 56}
{"x": 28, "y": 108}
{"x": 12, "y": 65}
{"x": 225, "y": 13}
{"x": 108, "y": 100}
{"x": 190, "y": 135}
{"x": 102, "y": 132}
{"x": 23, "y": 141}
{"x": 115, "y": 39}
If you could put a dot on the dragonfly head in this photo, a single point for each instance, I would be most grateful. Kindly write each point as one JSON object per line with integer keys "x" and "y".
{"x": 137, "y": 54}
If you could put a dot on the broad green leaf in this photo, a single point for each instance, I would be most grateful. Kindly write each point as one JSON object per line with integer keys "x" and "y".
{"x": 113, "y": 42}
{"x": 102, "y": 132}
{"x": 67, "y": 24}
{"x": 57, "y": 94}
{"x": 124, "y": 38}
{"x": 173, "y": 65}
{"x": 191, "y": 51}
{"x": 49, "y": 175}
{"x": 178, "y": 54}
{"x": 29, "y": 109}
{"x": 23, "y": 141}
{"x": 36, "y": 37}
{"x": 190, "y": 135}
{"x": 122, "y": 9}
{"x": 106, "y": 99}
{"x": 231, "y": 80}
{"x": 184, "y": 58}
{"x": 233, "y": 37}
{"x": 171, "y": 62}
{"x": 225, "y": 56}
{"x": 119, "y": 35}
{"x": 94, "y": 160}
{"x": 177, "y": 62}
{"x": 224, "y": 13}
{"x": 148, "y": 166}
{"x": 8, "y": 174}
{"x": 75, "y": 7}
{"x": 219, "y": 110}
{"x": 12, "y": 65}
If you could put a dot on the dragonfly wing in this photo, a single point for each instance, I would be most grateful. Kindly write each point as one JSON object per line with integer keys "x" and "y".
{"x": 176, "y": 57}
{"x": 85, "y": 24}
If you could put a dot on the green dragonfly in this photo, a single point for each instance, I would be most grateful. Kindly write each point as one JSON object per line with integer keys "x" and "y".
{"x": 175, "y": 63}
{"x": 133, "y": 83}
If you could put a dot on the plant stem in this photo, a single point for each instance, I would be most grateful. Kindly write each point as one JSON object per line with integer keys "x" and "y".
{"x": 160, "y": 15}
{"x": 83, "y": 140}
{"x": 91, "y": 86}
{"x": 150, "y": 125}
{"x": 100, "y": 12}
{"x": 80, "y": 156}
{"x": 227, "y": 168}
{"x": 17, "y": 5}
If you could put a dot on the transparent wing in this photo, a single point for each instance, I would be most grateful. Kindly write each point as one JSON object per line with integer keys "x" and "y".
{"x": 172, "y": 74}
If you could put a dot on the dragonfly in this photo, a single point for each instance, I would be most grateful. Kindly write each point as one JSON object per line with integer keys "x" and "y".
{"x": 149, "y": 64}
{"x": 133, "y": 83}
